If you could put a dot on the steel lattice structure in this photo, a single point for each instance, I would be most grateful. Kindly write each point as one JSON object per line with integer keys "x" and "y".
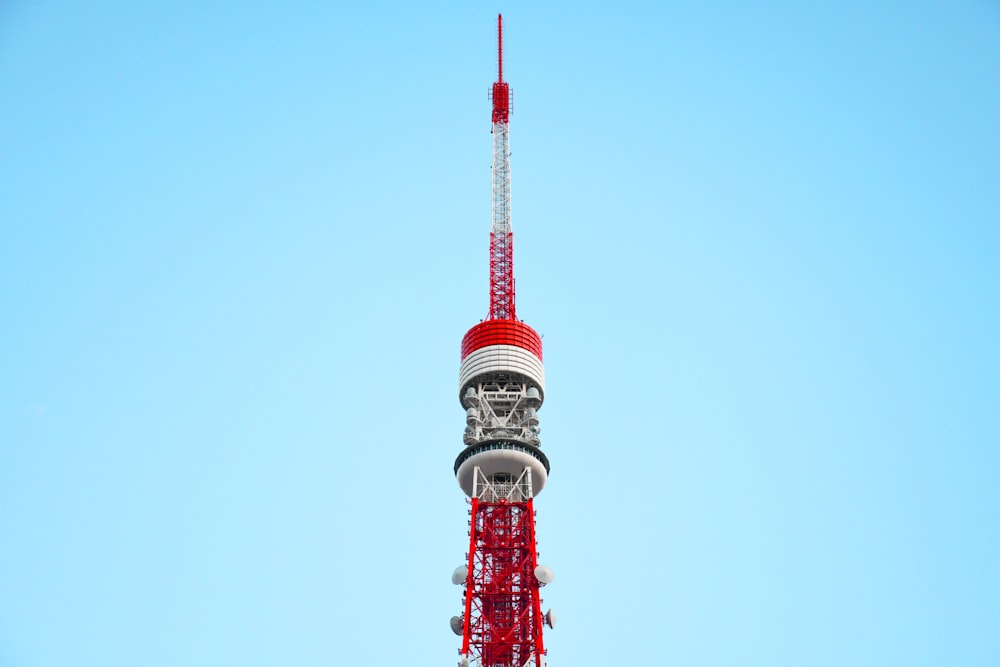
{"x": 501, "y": 236}
{"x": 502, "y": 600}
{"x": 502, "y": 468}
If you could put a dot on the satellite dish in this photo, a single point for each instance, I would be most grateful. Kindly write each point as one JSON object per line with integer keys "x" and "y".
{"x": 456, "y": 625}
{"x": 544, "y": 574}
{"x": 550, "y": 618}
{"x": 460, "y": 574}
{"x": 463, "y": 662}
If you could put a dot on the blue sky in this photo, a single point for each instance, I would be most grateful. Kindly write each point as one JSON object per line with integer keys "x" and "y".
{"x": 240, "y": 243}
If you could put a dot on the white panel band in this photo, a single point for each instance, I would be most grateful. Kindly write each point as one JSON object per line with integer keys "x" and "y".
{"x": 501, "y": 359}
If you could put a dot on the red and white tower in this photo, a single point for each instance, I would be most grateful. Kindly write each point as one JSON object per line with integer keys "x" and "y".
{"x": 501, "y": 469}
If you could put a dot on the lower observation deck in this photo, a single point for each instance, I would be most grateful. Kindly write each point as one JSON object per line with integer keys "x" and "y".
{"x": 501, "y": 457}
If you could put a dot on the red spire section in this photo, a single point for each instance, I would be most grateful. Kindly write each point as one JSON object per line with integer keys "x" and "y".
{"x": 501, "y": 92}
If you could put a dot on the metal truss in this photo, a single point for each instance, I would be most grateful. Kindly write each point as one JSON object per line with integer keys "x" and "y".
{"x": 501, "y": 235}
{"x": 502, "y": 624}
{"x": 501, "y": 407}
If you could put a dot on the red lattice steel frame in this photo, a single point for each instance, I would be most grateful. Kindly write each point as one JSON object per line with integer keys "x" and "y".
{"x": 502, "y": 276}
{"x": 503, "y": 608}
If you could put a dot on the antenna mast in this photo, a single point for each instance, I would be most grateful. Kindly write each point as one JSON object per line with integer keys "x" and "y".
{"x": 501, "y": 236}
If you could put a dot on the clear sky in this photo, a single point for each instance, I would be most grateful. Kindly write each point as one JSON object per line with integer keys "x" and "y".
{"x": 240, "y": 243}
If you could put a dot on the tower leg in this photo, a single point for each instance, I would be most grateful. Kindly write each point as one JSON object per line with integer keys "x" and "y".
{"x": 503, "y": 620}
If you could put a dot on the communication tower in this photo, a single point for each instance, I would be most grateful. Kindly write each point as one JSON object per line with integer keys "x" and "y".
{"x": 501, "y": 386}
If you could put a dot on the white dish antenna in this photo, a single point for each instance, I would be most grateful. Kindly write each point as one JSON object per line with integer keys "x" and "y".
{"x": 550, "y": 618}
{"x": 460, "y": 574}
{"x": 456, "y": 625}
{"x": 544, "y": 574}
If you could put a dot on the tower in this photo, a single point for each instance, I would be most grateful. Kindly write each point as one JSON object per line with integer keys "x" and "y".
{"x": 502, "y": 468}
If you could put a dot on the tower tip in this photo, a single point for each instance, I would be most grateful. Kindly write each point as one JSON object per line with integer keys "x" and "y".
{"x": 499, "y": 48}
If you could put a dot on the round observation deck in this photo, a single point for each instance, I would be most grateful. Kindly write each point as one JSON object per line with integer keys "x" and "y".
{"x": 501, "y": 456}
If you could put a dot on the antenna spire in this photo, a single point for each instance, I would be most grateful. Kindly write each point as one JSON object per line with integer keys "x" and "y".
{"x": 501, "y": 236}
{"x": 501, "y": 91}
{"x": 499, "y": 47}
